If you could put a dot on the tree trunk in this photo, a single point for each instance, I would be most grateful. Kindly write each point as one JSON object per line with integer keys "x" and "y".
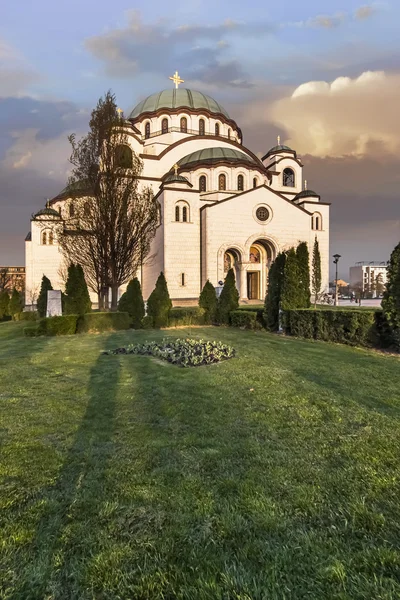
{"x": 114, "y": 297}
{"x": 100, "y": 301}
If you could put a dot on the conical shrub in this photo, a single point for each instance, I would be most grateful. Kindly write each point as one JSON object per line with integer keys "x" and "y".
{"x": 208, "y": 301}
{"x": 228, "y": 300}
{"x": 159, "y": 303}
{"x": 132, "y": 302}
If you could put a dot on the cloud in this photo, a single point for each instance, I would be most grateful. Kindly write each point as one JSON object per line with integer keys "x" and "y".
{"x": 345, "y": 117}
{"x": 202, "y": 51}
{"x": 15, "y": 74}
{"x": 364, "y": 12}
{"x": 332, "y": 21}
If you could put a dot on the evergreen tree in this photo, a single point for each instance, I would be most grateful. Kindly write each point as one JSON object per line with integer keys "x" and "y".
{"x": 229, "y": 298}
{"x": 391, "y": 297}
{"x": 290, "y": 297}
{"x": 4, "y": 303}
{"x": 303, "y": 264}
{"x": 77, "y": 300}
{"x": 159, "y": 303}
{"x": 208, "y": 301}
{"x": 274, "y": 292}
{"x": 132, "y": 302}
{"x": 42, "y": 298}
{"x": 316, "y": 277}
{"x": 15, "y": 305}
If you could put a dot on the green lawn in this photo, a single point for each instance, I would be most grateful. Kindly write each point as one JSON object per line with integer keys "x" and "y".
{"x": 274, "y": 475}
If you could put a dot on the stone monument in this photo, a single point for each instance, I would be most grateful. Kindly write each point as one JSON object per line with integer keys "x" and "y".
{"x": 54, "y": 308}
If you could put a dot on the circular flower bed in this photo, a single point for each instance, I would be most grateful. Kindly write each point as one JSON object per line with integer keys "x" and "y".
{"x": 185, "y": 353}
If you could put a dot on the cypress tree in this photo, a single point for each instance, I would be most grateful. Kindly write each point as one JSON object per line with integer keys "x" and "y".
{"x": 391, "y": 297}
{"x": 77, "y": 300}
{"x": 229, "y": 298}
{"x": 159, "y": 303}
{"x": 316, "y": 278}
{"x": 42, "y": 298}
{"x": 15, "y": 305}
{"x": 208, "y": 301}
{"x": 303, "y": 264}
{"x": 132, "y": 302}
{"x": 4, "y": 303}
{"x": 291, "y": 297}
{"x": 274, "y": 292}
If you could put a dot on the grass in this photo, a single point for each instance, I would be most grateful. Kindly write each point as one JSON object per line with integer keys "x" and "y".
{"x": 274, "y": 475}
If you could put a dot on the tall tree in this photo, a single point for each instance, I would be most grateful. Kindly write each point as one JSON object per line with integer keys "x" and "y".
{"x": 273, "y": 297}
{"x": 77, "y": 299}
{"x": 114, "y": 221}
{"x": 316, "y": 276}
{"x": 132, "y": 302}
{"x": 208, "y": 301}
{"x": 15, "y": 306}
{"x": 159, "y": 303}
{"x": 229, "y": 298}
{"x": 303, "y": 264}
{"x": 291, "y": 297}
{"x": 391, "y": 297}
{"x": 42, "y": 298}
{"x": 4, "y": 303}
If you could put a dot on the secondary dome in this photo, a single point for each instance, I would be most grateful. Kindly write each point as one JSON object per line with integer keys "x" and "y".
{"x": 212, "y": 156}
{"x": 46, "y": 212}
{"x": 306, "y": 194}
{"x": 279, "y": 148}
{"x": 180, "y": 98}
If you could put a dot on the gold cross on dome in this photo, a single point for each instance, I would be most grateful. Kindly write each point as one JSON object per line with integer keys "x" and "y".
{"x": 176, "y": 167}
{"x": 177, "y": 80}
{"x": 119, "y": 111}
{"x": 279, "y": 140}
{"x": 305, "y": 184}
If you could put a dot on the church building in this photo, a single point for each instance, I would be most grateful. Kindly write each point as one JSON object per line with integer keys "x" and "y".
{"x": 220, "y": 205}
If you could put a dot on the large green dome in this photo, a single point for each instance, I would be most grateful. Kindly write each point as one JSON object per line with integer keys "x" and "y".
{"x": 180, "y": 98}
{"x": 212, "y": 156}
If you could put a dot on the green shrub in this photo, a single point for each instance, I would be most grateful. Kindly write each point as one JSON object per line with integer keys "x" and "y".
{"x": 187, "y": 315}
{"x": 244, "y": 318}
{"x": 103, "y": 321}
{"x": 159, "y": 303}
{"x": 4, "y": 304}
{"x": 29, "y": 315}
{"x": 259, "y": 310}
{"x": 228, "y": 300}
{"x": 147, "y": 322}
{"x": 77, "y": 299}
{"x": 391, "y": 297}
{"x": 31, "y": 331}
{"x": 352, "y": 327}
{"x": 132, "y": 302}
{"x": 273, "y": 298}
{"x": 208, "y": 301}
{"x": 42, "y": 298}
{"x": 62, "y": 325}
{"x": 16, "y": 304}
{"x": 303, "y": 265}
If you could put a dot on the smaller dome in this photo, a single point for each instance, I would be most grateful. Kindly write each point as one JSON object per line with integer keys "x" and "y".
{"x": 213, "y": 156}
{"x": 173, "y": 178}
{"x": 77, "y": 188}
{"x": 306, "y": 194}
{"x": 46, "y": 212}
{"x": 279, "y": 148}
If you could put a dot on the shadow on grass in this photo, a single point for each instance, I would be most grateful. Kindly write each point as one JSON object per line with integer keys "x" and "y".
{"x": 70, "y": 507}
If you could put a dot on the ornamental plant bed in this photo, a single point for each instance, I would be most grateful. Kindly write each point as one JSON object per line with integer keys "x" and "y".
{"x": 185, "y": 353}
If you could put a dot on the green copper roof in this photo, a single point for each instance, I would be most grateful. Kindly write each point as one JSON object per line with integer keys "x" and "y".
{"x": 306, "y": 194}
{"x": 213, "y": 156}
{"x": 77, "y": 188}
{"x": 180, "y": 98}
{"x": 279, "y": 148}
{"x": 172, "y": 178}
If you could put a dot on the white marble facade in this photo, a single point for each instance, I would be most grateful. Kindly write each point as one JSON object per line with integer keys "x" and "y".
{"x": 220, "y": 206}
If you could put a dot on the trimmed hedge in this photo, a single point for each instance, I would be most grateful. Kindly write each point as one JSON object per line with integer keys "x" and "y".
{"x": 103, "y": 321}
{"x": 27, "y": 316}
{"x": 259, "y": 310}
{"x": 188, "y": 315}
{"x": 353, "y": 327}
{"x": 31, "y": 331}
{"x": 244, "y": 318}
{"x": 62, "y": 325}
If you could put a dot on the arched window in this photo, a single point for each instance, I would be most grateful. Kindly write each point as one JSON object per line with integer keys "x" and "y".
{"x": 164, "y": 126}
{"x": 147, "y": 130}
{"x": 240, "y": 183}
{"x": 183, "y": 124}
{"x": 229, "y": 134}
{"x": 71, "y": 210}
{"x": 184, "y": 214}
{"x": 123, "y": 157}
{"x": 288, "y": 178}
{"x": 222, "y": 182}
{"x": 217, "y": 129}
{"x": 44, "y": 238}
{"x": 177, "y": 213}
{"x": 86, "y": 209}
{"x": 51, "y": 238}
{"x": 203, "y": 183}
{"x": 316, "y": 222}
{"x": 202, "y": 127}
{"x": 255, "y": 182}
{"x": 182, "y": 278}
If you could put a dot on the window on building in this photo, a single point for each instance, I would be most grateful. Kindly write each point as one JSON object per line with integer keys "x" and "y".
{"x": 147, "y": 130}
{"x": 123, "y": 157}
{"x": 255, "y": 182}
{"x": 182, "y": 278}
{"x": 240, "y": 183}
{"x": 177, "y": 213}
{"x": 316, "y": 222}
{"x": 184, "y": 214}
{"x": 183, "y": 124}
{"x": 71, "y": 210}
{"x": 222, "y": 182}
{"x": 164, "y": 126}
{"x": 44, "y": 238}
{"x": 51, "y": 238}
{"x": 288, "y": 178}
{"x": 217, "y": 129}
{"x": 203, "y": 183}
{"x": 202, "y": 127}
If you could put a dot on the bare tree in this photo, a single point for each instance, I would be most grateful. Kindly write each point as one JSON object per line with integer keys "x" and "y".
{"x": 5, "y": 278}
{"x": 114, "y": 222}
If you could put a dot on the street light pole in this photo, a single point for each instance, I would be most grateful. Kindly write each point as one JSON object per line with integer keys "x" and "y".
{"x": 335, "y": 262}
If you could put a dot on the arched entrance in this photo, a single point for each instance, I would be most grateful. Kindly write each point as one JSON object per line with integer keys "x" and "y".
{"x": 261, "y": 255}
{"x": 233, "y": 260}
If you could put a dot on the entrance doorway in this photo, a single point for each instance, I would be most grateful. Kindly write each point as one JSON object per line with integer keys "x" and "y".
{"x": 253, "y": 285}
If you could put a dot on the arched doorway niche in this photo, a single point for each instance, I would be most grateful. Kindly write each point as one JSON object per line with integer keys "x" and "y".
{"x": 260, "y": 255}
{"x": 232, "y": 258}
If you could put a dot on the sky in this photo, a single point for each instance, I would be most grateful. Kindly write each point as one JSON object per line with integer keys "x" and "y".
{"x": 325, "y": 76}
